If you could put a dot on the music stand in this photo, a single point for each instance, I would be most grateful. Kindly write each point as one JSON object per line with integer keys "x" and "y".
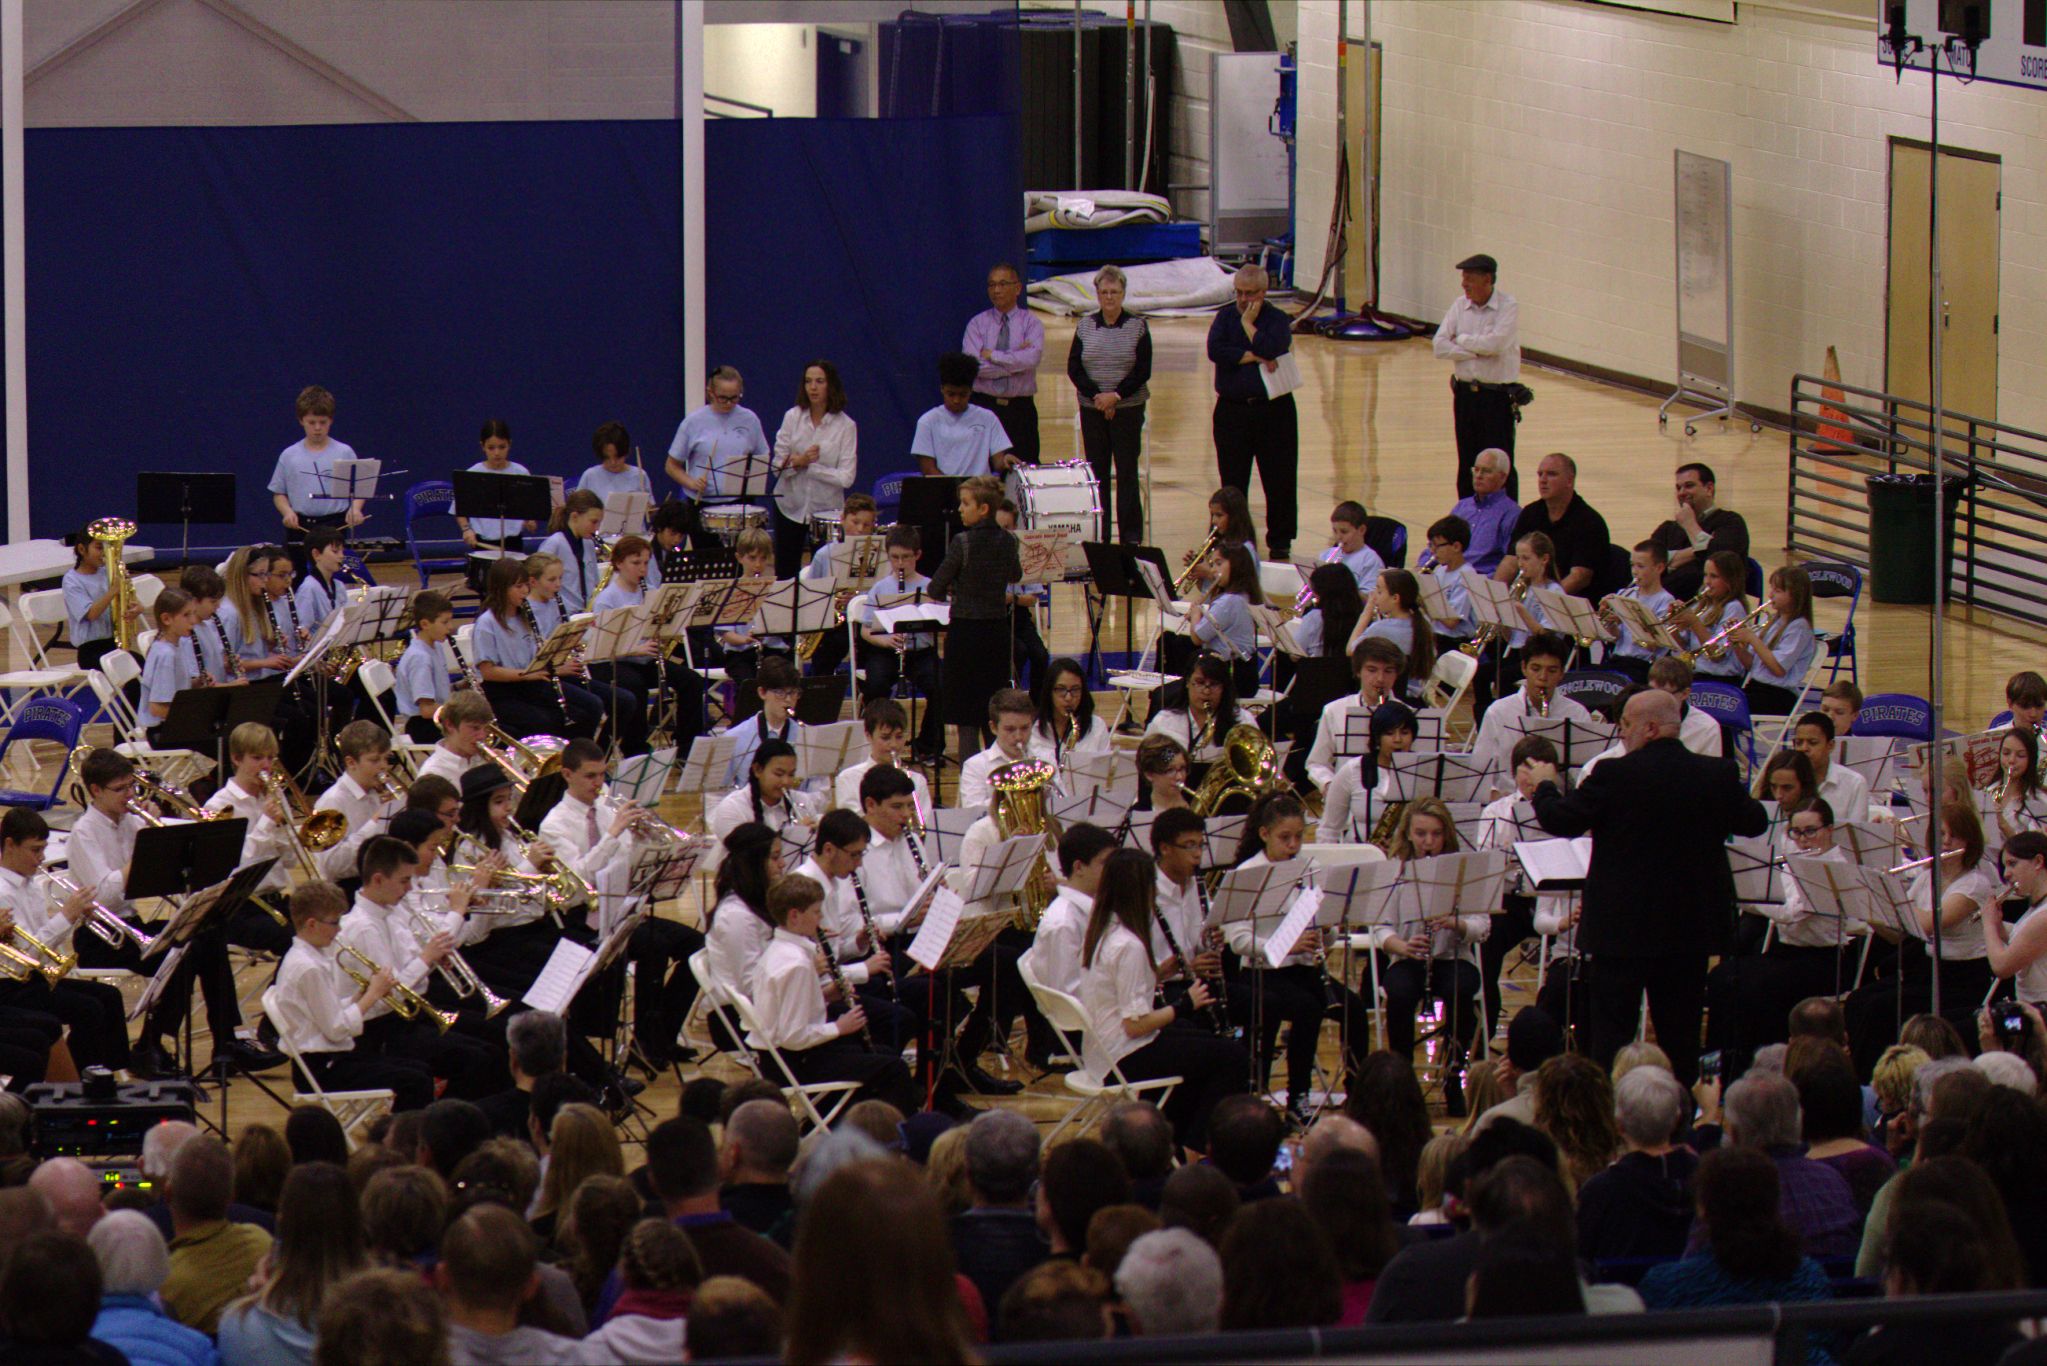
{"x": 1836, "y": 890}
{"x": 1112, "y": 573}
{"x": 1113, "y": 772}
{"x": 624, "y": 511}
{"x": 931, "y": 503}
{"x": 1003, "y": 868}
{"x": 1576, "y": 741}
{"x": 1247, "y": 896}
{"x": 206, "y": 498}
{"x": 642, "y": 778}
{"x": 1571, "y": 616}
{"x": 1094, "y": 806}
{"x": 1449, "y": 886}
{"x": 177, "y": 859}
{"x": 1450, "y": 776}
{"x": 203, "y": 718}
{"x": 707, "y": 770}
{"x": 947, "y": 828}
{"x": 502, "y": 498}
{"x": 1493, "y": 604}
{"x": 824, "y": 751}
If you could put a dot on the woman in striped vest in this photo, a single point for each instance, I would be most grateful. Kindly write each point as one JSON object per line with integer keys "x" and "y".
{"x": 1110, "y": 364}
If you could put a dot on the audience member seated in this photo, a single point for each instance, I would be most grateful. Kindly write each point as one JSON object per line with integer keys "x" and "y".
{"x": 1700, "y": 529}
{"x": 659, "y": 1269}
{"x": 381, "y": 1318}
{"x": 1080, "y": 1178}
{"x": 313, "y": 1135}
{"x": 1138, "y": 1132}
{"x": 996, "y": 1240}
{"x": 1945, "y": 1093}
{"x": 1201, "y": 1200}
{"x": 1574, "y": 1106}
{"x": 760, "y": 1144}
{"x": 2007, "y": 1138}
{"x": 1171, "y": 1284}
{"x": 1490, "y": 511}
{"x": 1244, "y": 1135}
{"x": 73, "y": 1192}
{"x": 1830, "y": 1101}
{"x": 1279, "y": 1269}
{"x": 49, "y": 1298}
{"x": 487, "y": 1272}
{"x": 133, "y": 1264}
{"x": 1762, "y": 1112}
{"x": 159, "y": 1146}
{"x": 1573, "y": 526}
{"x": 1057, "y": 1301}
{"x": 1533, "y": 1038}
{"x": 1344, "y": 1193}
{"x": 538, "y": 1044}
{"x": 684, "y": 1163}
{"x": 450, "y": 1130}
{"x": 1387, "y": 1099}
{"x": 1641, "y": 1206}
{"x": 1935, "y": 1250}
{"x": 1520, "y": 1274}
{"x": 212, "y": 1258}
{"x": 1111, "y": 1232}
{"x": 319, "y": 1243}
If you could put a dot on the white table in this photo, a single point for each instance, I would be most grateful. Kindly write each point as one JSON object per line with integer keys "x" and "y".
{"x": 26, "y": 561}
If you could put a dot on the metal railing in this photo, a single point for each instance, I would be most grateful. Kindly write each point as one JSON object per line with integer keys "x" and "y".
{"x": 1999, "y": 554}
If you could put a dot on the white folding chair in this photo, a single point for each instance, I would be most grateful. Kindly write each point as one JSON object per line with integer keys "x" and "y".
{"x": 378, "y": 678}
{"x": 178, "y": 765}
{"x": 355, "y": 1110}
{"x": 19, "y": 687}
{"x": 807, "y": 1095}
{"x": 1450, "y": 680}
{"x": 1092, "y": 1095}
{"x": 146, "y": 586}
{"x": 711, "y": 997}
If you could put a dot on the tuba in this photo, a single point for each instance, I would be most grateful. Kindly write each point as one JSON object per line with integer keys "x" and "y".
{"x": 1020, "y": 809}
{"x": 112, "y": 533}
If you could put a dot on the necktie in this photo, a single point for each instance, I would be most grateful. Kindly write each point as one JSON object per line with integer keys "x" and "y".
{"x": 1002, "y": 334}
{"x": 590, "y": 826}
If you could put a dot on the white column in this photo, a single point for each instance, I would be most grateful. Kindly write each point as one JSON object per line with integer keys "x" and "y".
{"x": 690, "y": 111}
{"x": 13, "y": 269}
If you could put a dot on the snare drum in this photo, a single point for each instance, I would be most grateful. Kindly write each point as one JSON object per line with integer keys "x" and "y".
{"x": 727, "y": 520}
{"x": 1060, "y": 497}
{"x": 827, "y": 527}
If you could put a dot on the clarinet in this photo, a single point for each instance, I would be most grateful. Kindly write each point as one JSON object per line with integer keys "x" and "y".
{"x": 895, "y": 987}
{"x": 298, "y": 632}
{"x": 200, "y": 678}
{"x": 469, "y": 674}
{"x": 1222, "y": 980}
{"x": 229, "y": 660}
{"x": 1217, "y": 1021}
{"x": 838, "y": 976}
{"x": 916, "y": 854}
{"x": 561, "y": 698}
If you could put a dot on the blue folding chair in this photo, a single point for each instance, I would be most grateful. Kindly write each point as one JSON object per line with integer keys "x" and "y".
{"x": 1594, "y": 689}
{"x": 1388, "y": 538}
{"x": 1728, "y": 705}
{"x": 51, "y": 720}
{"x": 435, "y": 498}
{"x": 1898, "y": 715}
{"x": 1752, "y": 580}
{"x": 1832, "y": 579}
{"x": 888, "y": 496}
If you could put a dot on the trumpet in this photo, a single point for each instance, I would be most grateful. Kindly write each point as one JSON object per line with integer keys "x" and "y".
{"x": 1194, "y": 560}
{"x": 109, "y": 927}
{"x": 1716, "y": 645}
{"x": 456, "y": 972}
{"x": 53, "y": 966}
{"x": 16, "y": 966}
{"x": 406, "y": 1003}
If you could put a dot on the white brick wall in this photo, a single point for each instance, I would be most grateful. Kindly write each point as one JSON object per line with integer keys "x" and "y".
{"x": 1541, "y": 131}
{"x": 1315, "y": 150}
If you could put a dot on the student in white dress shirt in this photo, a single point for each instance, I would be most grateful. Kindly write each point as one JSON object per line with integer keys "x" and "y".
{"x": 520, "y": 938}
{"x": 894, "y": 1015}
{"x": 1749, "y": 996}
{"x": 1204, "y": 713}
{"x": 789, "y": 1004}
{"x": 2020, "y": 803}
{"x": 421, "y": 677}
{"x": 381, "y": 928}
{"x": 172, "y": 665}
{"x": 739, "y": 928}
{"x": 318, "y": 1009}
{"x": 1377, "y": 664}
{"x": 1011, "y": 714}
{"x": 1542, "y": 668}
{"x": 1179, "y": 839}
{"x": 614, "y": 471}
{"x": 1354, "y": 799}
{"x": 887, "y": 656}
{"x": 897, "y": 862}
{"x": 466, "y": 720}
{"x": 1436, "y": 960}
{"x": 252, "y": 750}
{"x": 2019, "y": 951}
{"x": 101, "y": 847}
{"x": 770, "y": 794}
{"x": 1697, "y": 731}
{"x": 1296, "y": 991}
{"x": 1162, "y": 769}
{"x": 1844, "y": 789}
{"x": 817, "y": 457}
{"x": 1066, "y": 724}
{"x": 495, "y": 441}
{"x": 1516, "y": 924}
{"x": 1118, "y": 990}
{"x": 93, "y": 1012}
{"x": 1054, "y": 955}
{"x": 886, "y": 725}
{"x": 593, "y": 833}
{"x": 364, "y": 795}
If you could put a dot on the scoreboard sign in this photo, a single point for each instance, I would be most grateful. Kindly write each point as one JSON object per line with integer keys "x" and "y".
{"x": 2013, "y": 50}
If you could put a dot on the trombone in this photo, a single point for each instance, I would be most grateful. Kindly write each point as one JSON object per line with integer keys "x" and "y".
{"x": 456, "y": 972}
{"x": 110, "y": 928}
{"x": 406, "y": 1003}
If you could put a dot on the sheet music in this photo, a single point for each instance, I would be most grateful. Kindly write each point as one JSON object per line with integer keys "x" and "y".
{"x": 1299, "y": 917}
{"x": 927, "y": 948}
{"x": 561, "y": 979}
{"x": 892, "y": 619}
{"x": 1555, "y": 864}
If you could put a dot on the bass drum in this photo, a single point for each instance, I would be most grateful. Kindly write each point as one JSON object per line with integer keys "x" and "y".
{"x": 1060, "y": 497}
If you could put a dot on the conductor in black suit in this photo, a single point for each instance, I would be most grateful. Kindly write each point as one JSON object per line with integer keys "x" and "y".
{"x": 1659, "y": 897}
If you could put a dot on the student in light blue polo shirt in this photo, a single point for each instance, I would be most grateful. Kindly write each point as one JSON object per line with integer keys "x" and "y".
{"x": 299, "y": 486}
{"x": 1347, "y": 529}
{"x": 508, "y": 532}
{"x": 956, "y": 438}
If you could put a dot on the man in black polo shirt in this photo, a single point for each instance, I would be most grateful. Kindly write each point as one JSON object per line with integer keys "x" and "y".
{"x": 1700, "y": 528}
{"x": 1572, "y": 524}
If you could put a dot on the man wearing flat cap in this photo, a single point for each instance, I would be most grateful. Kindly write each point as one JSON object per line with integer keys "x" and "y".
{"x": 1481, "y": 338}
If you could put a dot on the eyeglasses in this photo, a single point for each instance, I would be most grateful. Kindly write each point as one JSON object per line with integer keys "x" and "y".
{"x": 726, "y": 398}
{"x": 1808, "y": 831}
{"x": 1189, "y": 846}
{"x": 1068, "y": 690}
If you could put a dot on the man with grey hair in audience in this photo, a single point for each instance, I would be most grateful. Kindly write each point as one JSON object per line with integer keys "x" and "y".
{"x": 1761, "y": 1111}
{"x": 1172, "y": 1284}
{"x": 996, "y": 1239}
{"x": 1489, "y": 510}
{"x": 538, "y": 1044}
{"x": 73, "y": 1192}
{"x": 754, "y": 1159}
{"x": 161, "y": 1144}
{"x": 1138, "y": 1133}
{"x": 1641, "y": 1206}
{"x": 1331, "y": 1133}
{"x": 134, "y": 1264}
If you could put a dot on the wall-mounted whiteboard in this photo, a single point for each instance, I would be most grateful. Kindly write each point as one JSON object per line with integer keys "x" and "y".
{"x": 1247, "y": 170}
{"x": 1705, "y": 273}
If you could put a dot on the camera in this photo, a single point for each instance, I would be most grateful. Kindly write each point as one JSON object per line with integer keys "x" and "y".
{"x": 2008, "y": 1019}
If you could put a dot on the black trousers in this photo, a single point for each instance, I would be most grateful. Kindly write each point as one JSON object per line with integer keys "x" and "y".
{"x": 642, "y": 680}
{"x": 792, "y": 542}
{"x": 1297, "y": 997}
{"x": 1563, "y": 994}
{"x": 410, "y": 1082}
{"x": 205, "y": 961}
{"x": 93, "y": 651}
{"x": 1749, "y": 997}
{"x": 1406, "y": 981}
{"x": 1027, "y": 652}
{"x": 1874, "y": 1009}
{"x": 469, "y": 1065}
{"x": 1485, "y": 419}
{"x": 1209, "y": 1067}
{"x": 531, "y": 708}
{"x": 1019, "y": 419}
{"x": 1113, "y": 446}
{"x": 1265, "y": 433}
{"x": 884, "y": 667}
{"x": 1676, "y": 984}
{"x": 92, "y": 1011}
{"x": 1767, "y": 699}
{"x": 1514, "y": 926}
{"x": 881, "y": 1074}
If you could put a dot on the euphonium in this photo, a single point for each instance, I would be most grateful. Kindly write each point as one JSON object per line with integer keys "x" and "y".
{"x": 525, "y": 761}
{"x": 112, "y": 533}
{"x": 1020, "y": 809}
{"x": 1488, "y": 633}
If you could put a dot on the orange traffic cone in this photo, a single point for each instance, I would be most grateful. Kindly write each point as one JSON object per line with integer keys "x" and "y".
{"x": 1833, "y": 434}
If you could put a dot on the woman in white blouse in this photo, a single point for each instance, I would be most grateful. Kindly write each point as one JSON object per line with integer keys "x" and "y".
{"x": 1118, "y": 984}
{"x": 1438, "y": 959}
{"x": 740, "y": 929}
{"x": 817, "y": 454}
{"x": 1066, "y": 724}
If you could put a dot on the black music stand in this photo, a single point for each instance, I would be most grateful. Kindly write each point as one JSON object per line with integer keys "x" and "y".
{"x": 203, "y": 718}
{"x": 173, "y": 860}
{"x": 931, "y": 503}
{"x": 503, "y": 497}
{"x": 185, "y": 497}
{"x": 1112, "y": 573}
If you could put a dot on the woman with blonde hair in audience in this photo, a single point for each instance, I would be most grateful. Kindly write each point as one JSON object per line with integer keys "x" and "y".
{"x": 1892, "y": 1082}
{"x": 1484, "y": 1087}
{"x": 581, "y": 1144}
{"x": 1574, "y": 1106}
{"x": 319, "y": 1244}
{"x": 1640, "y": 1053}
{"x": 945, "y": 1168}
{"x": 1434, "y": 1173}
{"x": 873, "y": 1275}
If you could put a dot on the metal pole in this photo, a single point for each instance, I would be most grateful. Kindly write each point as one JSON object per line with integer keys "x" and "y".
{"x": 14, "y": 267}
{"x": 1144, "y": 171}
{"x": 1938, "y": 637}
{"x": 1365, "y": 173}
{"x": 1342, "y": 134}
{"x": 695, "y": 353}
{"x": 1130, "y": 93}
{"x": 1079, "y": 180}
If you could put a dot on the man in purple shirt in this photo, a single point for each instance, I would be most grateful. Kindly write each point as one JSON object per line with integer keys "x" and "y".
{"x": 1490, "y": 511}
{"x": 1761, "y": 1111}
{"x": 1008, "y": 341}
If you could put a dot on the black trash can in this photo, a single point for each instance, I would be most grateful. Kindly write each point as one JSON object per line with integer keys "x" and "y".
{"x": 1901, "y": 534}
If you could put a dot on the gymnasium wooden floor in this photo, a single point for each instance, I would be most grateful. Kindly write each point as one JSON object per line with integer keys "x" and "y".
{"x": 1375, "y": 426}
